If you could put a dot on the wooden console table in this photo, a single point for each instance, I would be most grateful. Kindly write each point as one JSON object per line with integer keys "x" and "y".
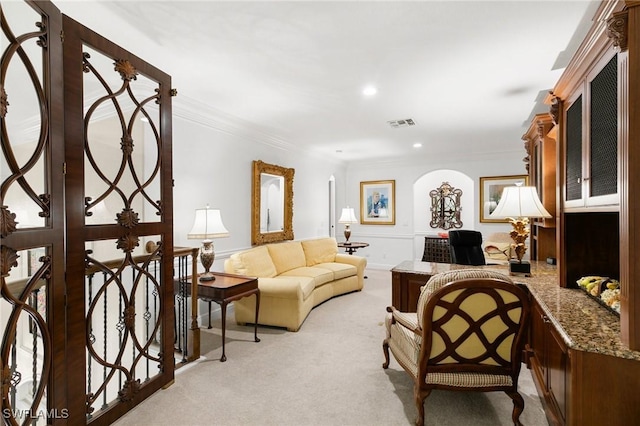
{"x": 227, "y": 288}
{"x": 224, "y": 289}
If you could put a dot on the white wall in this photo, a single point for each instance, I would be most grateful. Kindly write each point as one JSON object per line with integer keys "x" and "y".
{"x": 390, "y": 245}
{"x": 213, "y": 164}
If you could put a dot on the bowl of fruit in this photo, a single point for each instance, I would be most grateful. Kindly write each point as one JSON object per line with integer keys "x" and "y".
{"x": 605, "y": 290}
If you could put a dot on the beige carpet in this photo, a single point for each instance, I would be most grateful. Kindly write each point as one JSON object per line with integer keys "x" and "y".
{"x": 328, "y": 373}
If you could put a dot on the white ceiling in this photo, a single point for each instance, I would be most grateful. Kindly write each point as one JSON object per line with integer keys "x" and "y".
{"x": 470, "y": 73}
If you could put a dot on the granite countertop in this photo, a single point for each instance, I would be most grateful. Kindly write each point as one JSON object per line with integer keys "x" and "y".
{"x": 583, "y": 324}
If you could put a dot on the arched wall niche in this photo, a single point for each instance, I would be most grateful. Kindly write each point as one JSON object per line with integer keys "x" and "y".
{"x": 422, "y": 203}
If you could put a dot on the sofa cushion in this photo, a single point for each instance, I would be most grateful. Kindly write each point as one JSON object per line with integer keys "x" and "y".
{"x": 319, "y": 275}
{"x": 307, "y": 284}
{"x": 287, "y": 256}
{"x": 255, "y": 262}
{"x": 340, "y": 270}
{"x": 321, "y": 250}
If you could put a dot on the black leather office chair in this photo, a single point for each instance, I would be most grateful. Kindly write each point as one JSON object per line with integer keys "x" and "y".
{"x": 466, "y": 247}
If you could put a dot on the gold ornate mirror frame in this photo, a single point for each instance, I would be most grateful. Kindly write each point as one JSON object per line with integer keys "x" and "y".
{"x": 258, "y": 237}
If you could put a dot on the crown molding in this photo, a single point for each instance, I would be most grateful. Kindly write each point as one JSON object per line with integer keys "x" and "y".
{"x": 593, "y": 46}
{"x": 198, "y": 112}
{"x": 195, "y": 111}
{"x": 435, "y": 158}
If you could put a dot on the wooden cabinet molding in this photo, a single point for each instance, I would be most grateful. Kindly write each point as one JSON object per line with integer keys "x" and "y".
{"x": 629, "y": 180}
{"x": 594, "y": 45}
{"x": 541, "y": 148}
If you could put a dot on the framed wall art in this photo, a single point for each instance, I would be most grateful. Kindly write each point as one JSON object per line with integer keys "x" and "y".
{"x": 378, "y": 202}
{"x": 491, "y": 190}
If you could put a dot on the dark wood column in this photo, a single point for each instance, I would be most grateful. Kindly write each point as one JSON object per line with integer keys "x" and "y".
{"x": 629, "y": 172}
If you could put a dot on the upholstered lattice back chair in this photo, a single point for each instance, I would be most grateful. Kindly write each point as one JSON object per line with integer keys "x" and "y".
{"x": 468, "y": 335}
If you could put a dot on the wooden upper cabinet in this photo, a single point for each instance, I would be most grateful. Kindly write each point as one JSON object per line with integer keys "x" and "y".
{"x": 591, "y": 139}
{"x": 597, "y": 225}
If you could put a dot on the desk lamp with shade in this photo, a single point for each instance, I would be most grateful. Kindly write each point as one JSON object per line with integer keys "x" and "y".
{"x": 517, "y": 204}
{"x": 347, "y": 217}
{"x": 207, "y": 225}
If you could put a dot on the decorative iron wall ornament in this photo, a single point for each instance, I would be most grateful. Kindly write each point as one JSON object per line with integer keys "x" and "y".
{"x": 445, "y": 207}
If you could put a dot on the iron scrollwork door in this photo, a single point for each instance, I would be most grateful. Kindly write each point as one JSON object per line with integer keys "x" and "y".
{"x": 32, "y": 285}
{"x": 84, "y": 182}
{"x": 119, "y": 197}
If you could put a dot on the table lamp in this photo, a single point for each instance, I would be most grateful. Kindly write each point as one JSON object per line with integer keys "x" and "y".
{"x": 347, "y": 217}
{"x": 207, "y": 225}
{"x": 517, "y": 204}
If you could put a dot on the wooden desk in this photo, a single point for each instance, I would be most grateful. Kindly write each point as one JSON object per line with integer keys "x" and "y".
{"x": 408, "y": 276}
{"x": 227, "y": 288}
{"x": 406, "y": 280}
{"x": 352, "y": 247}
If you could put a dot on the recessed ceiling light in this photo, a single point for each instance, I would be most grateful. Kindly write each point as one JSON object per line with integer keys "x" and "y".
{"x": 369, "y": 91}
{"x": 417, "y": 145}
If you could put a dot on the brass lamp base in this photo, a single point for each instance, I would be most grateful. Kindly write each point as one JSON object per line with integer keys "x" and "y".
{"x": 347, "y": 233}
{"x": 207, "y": 256}
{"x": 520, "y": 268}
{"x": 207, "y": 276}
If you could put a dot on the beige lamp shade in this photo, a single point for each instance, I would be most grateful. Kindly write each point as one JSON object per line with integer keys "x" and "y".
{"x": 348, "y": 216}
{"x": 519, "y": 201}
{"x": 208, "y": 224}
{"x": 518, "y": 204}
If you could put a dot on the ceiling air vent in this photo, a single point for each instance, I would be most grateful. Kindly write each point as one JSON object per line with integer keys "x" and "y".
{"x": 402, "y": 123}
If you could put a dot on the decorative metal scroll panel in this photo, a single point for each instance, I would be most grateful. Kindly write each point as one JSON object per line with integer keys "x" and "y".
{"x": 123, "y": 324}
{"x": 123, "y": 297}
{"x": 445, "y": 207}
{"x": 25, "y": 264}
{"x": 122, "y": 143}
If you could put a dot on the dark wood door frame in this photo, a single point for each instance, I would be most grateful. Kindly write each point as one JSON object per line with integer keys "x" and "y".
{"x": 78, "y": 233}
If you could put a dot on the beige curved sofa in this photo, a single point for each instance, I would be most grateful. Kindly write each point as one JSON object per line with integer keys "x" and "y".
{"x": 293, "y": 278}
